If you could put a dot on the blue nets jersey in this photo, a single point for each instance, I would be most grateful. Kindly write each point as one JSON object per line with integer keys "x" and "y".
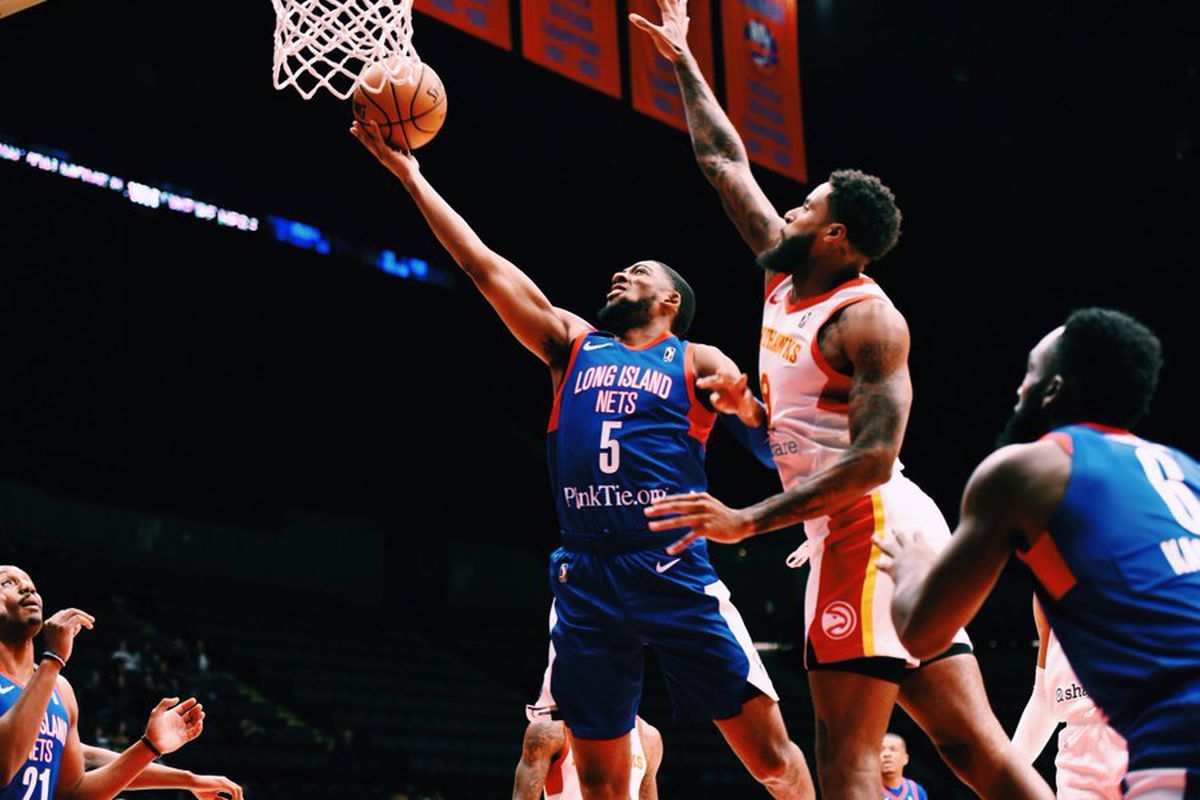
{"x": 36, "y": 778}
{"x": 625, "y": 431}
{"x": 1118, "y": 572}
{"x": 907, "y": 790}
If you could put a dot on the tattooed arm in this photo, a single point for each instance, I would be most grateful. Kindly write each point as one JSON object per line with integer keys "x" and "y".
{"x": 544, "y": 740}
{"x": 872, "y": 338}
{"x": 719, "y": 150}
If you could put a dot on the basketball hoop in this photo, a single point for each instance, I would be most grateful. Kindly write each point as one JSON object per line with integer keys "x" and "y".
{"x": 329, "y": 43}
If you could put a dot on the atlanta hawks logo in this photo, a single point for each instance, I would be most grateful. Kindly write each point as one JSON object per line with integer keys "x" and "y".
{"x": 838, "y": 620}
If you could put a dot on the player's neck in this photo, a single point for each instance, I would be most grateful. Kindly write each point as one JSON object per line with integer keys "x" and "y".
{"x": 16, "y": 660}
{"x": 893, "y": 780}
{"x": 643, "y": 334}
{"x": 821, "y": 281}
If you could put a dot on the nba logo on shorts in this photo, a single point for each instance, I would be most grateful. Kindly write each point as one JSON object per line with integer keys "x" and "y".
{"x": 562, "y": 572}
{"x": 838, "y": 620}
{"x": 669, "y": 355}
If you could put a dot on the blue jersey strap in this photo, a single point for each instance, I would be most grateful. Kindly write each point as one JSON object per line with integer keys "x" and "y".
{"x": 753, "y": 439}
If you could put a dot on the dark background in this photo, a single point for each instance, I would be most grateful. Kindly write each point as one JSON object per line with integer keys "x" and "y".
{"x": 214, "y": 408}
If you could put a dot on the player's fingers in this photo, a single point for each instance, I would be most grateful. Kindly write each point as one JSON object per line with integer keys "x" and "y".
{"x": 644, "y": 24}
{"x": 674, "y": 507}
{"x": 681, "y": 545}
{"x": 885, "y": 564}
{"x": 671, "y": 523}
{"x": 187, "y": 705}
{"x": 885, "y": 544}
{"x": 164, "y": 704}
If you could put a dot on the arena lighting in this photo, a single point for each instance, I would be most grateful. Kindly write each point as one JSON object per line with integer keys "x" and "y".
{"x": 290, "y": 232}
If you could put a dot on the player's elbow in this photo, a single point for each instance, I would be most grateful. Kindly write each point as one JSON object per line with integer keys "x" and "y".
{"x": 921, "y": 641}
{"x": 875, "y": 465}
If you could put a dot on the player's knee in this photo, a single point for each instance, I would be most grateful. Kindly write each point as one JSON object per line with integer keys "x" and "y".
{"x": 777, "y": 765}
{"x": 602, "y": 784}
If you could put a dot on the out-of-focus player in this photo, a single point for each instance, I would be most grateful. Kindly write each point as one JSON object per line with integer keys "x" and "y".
{"x": 1092, "y": 757}
{"x": 160, "y": 776}
{"x": 40, "y": 752}
{"x": 547, "y": 766}
{"x": 893, "y": 758}
{"x": 1109, "y": 524}
{"x": 834, "y": 366}
{"x": 627, "y": 426}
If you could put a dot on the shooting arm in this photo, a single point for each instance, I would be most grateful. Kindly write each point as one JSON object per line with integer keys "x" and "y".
{"x": 155, "y": 776}
{"x": 875, "y": 340}
{"x": 543, "y": 740}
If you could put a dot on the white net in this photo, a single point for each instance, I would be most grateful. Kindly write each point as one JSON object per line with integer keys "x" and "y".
{"x": 329, "y": 43}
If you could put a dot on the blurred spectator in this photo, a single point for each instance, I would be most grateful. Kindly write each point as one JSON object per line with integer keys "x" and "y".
{"x": 202, "y": 661}
{"x": 126, "y": 659}
{"x": 893, "y": 759}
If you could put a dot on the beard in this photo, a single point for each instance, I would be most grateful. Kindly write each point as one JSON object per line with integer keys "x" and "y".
{"x": 621, "y": 315}
{"x": 790, "y": 255}
{"x": 1029, "y": 420}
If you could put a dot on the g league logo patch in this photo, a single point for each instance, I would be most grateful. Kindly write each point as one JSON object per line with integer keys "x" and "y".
{"x": 839, "y": 620}
{"x": 669, "y": 355}
{"x": 562, "y": 572}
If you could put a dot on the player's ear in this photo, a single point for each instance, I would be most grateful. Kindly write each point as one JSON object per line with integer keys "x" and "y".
{"x": 1053, "y": 390}
{"x": 836, "y": 233}
{"x": 673, "y": 299}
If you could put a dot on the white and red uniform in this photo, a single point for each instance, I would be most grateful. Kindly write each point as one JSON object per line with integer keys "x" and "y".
{"x": 1092, "y": 757}
{"x": 847, "y": 611}
{"x": 562, "y": 781}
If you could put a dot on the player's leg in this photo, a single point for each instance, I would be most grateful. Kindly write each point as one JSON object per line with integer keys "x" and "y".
{"x": 947, "y": 698}
{"x": 596, "y": 676}
{"x": 604, "y": 766}
{"x": 853, "y": 710}
{"x": 760, "y": 739}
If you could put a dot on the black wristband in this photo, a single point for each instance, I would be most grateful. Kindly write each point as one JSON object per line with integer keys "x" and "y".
{"x": 62, "y": 662}
{"x": 150, "y": 746}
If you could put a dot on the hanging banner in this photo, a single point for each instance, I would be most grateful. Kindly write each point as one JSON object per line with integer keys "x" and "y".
{"x": 488, "y": 19}
{"x": 762, "y": 81}
{"x": 575, "y": 38}
{"x": 652, "y": 78}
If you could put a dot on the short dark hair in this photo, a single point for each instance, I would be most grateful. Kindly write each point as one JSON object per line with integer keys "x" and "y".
{"x": 687, "y": 301}
{"x": 903, "y": 741}
{"x": 868, "y": 210}
{"x": 1110, "y": 364}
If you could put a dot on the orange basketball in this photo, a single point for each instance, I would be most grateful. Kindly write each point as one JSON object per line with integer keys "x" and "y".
{"x": 409, "y": 113}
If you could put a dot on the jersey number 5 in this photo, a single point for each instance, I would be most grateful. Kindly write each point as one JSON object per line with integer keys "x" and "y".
{"x": 610, "y": 448}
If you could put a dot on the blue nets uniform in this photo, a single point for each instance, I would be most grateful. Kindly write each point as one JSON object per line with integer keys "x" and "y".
{"x": 1119, "y": 576}
{"x": 625, "y": 431}
{"x": 36, "y": 778}
{"x": 907, "y": 790}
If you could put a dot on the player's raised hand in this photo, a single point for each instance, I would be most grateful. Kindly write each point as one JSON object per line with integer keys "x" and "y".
{"x": 903, "y": 554}
{"x": 402, "y": 163}
{"x": 62, "y": 628}
{"x": 173, "y": 724}
{"x": 215, "y": 787}
{"x": 671, "y": 36}
{"x": 704, "y": 514}
{"x": 731, "y": 395}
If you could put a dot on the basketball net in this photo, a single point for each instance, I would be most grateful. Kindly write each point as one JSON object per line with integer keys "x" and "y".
{"x": 328, "y": 43}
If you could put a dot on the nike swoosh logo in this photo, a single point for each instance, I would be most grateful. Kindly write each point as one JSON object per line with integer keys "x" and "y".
{"x": 589, "y": 346}
{"x": 661, "y": 567}
{"x": 7, "y": 689}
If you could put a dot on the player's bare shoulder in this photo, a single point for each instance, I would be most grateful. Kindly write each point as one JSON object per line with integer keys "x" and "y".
{"x": 1020, "y": 486}
{"x": 67, "y": 692}
{"x": 868, "y": 334}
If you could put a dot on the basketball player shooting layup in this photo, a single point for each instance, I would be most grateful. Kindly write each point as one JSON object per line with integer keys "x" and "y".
{"x": 547, "y": 766}
{"x": 627, "y": 426}
{"x": 834, "y": 360}
{"x": 1108, "y": 524}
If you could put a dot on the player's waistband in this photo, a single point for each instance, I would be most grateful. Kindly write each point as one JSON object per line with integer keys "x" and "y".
{"x": 617, "y": 543}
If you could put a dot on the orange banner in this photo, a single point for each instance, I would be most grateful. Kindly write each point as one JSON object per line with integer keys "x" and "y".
{"x": 575, "y": 38}
{"x": 655, "y": 90}
{"x": 488, "y": 19}
{"x": 762, "y": 81}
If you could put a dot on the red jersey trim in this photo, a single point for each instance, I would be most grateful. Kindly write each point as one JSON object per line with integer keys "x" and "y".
{"x": 1096, "y": 426}
{"x": 700, "y": 419}
{"x": 658, "y": 340}
{"x": 578, "y": 343}
{"x": 773, "y": 284}
{"x": 554, "y": 777}
{"x": 835, "y": 395}
{"x": 1063, "y": 440}
{"x": 1048, "y": 566}
{"x": 809, "y": 302}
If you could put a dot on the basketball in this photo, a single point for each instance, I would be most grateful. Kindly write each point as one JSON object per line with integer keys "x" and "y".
{"x": 409, "y": 112}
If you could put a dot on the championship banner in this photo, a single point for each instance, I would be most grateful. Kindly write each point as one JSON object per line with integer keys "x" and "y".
{"x": 488, "y": 19}
{"x": 655, "y": 90}
{"x": 575, "y": 38}
{"x": 762, "y": 81}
